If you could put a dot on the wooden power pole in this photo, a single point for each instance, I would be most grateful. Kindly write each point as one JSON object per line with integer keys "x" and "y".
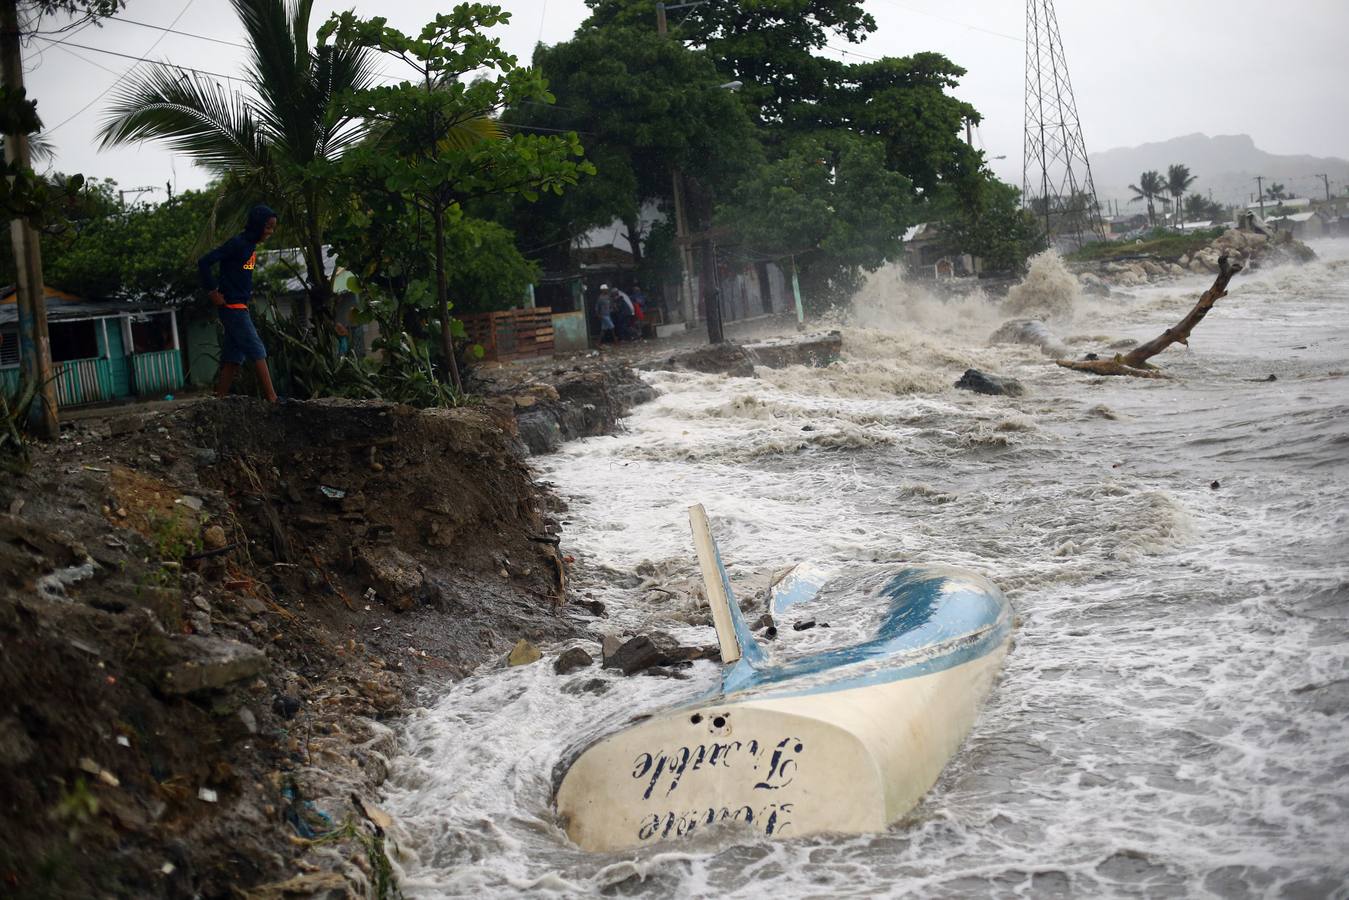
{"x": 35, "y": 350}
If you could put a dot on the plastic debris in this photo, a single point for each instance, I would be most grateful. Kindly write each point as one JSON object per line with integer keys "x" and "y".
{"x": 208, "y": 795}
{"x": 332, "y": 493}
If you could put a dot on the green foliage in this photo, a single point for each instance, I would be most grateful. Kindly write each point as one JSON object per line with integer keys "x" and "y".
{"x": 770, "y": 45}
{"x": 146, "y": 252}
{"x": 996, "y": 228}
{"x": 432, "y": 145}
{"x": 1199, "y": 208}
{"x": 830, "y": 201}
{"x": 1150, "y": 186}
{"x": 1160, "y": 243}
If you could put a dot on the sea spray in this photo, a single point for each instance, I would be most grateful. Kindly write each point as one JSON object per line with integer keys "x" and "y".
{"x": 1049, "y": 290}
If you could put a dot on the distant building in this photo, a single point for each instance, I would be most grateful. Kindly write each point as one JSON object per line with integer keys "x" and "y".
{"x": 102, "y": 351}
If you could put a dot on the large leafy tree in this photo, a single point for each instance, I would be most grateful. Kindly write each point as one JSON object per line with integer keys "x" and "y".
{"x": 141, "y": 253}
{"x": 434, "y": 144}
{"x": 647, "y": 106}
{"x": 830, "y": 202}
{"x": 1150, "y": 186}
{"x": 275, "y": 141}
{"x": 996, "y": 227}
{"x": 770, "y": 45}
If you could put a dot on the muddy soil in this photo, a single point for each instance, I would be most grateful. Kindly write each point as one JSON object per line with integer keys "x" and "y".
{"x": 209, "y": 619}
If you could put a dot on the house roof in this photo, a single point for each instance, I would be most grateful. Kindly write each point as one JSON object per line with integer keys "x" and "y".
{"x": 63, "y": 306}
{"x": 1292, "y": 217}
{"x": 1287, "y": 203}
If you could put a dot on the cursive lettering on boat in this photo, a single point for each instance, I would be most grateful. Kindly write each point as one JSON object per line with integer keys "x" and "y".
{"x": 669, "y": 768}
{"x": 772, "y": 819}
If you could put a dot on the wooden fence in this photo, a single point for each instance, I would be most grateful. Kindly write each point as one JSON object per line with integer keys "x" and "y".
{"x": 512, "y": 334}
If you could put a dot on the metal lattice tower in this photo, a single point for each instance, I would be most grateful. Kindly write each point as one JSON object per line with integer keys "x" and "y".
{"x": 1056, "y": 179}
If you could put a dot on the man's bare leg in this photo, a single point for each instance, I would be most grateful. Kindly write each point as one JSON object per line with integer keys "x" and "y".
{"x": 265, "y": 379}
{"x": 225, "y": 378}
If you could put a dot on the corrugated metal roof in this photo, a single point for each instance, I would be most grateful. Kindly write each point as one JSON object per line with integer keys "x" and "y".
{"x": 61, "y": 305}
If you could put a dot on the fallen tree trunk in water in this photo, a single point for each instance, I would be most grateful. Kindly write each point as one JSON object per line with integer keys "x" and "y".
{"x": 1135, "y": 362}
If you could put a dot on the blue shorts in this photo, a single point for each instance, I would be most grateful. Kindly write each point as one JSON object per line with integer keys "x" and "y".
{"x": 241, "y": 337}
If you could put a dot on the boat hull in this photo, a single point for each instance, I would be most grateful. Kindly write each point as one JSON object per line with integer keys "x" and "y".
{"x": 834, "y": 760}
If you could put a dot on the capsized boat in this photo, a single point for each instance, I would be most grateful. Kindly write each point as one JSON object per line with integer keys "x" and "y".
{"x": 839, "y": 729}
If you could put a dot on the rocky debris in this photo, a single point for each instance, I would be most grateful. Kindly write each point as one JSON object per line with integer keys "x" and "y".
{"x": 398, "y": 579}
{"x": 580, "y": 403}
{"x": 655, "y": 651}
{"x": 212, "y": 664}
{"x": 609, "y": 645}
{"x": 572, "y": 660}
{"x": 815, "y": 352}
{"x": 523, "y": 653}
{"x": 983, "y": 383}
{"x": 726, "y": 358}
{"x": 1032, "y": 332}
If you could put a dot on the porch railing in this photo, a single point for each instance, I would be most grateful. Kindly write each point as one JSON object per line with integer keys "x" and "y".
{"x": 81, "y": 381}
{"x": 158, "y": 372}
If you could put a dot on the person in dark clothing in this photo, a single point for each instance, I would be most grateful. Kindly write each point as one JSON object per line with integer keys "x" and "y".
{"x": 237, "y": 258}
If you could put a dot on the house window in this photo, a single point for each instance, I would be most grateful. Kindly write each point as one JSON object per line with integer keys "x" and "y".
{"x": 74, "y": 340}
{"x": 9, "y": 347}
{"x": 151, "y": 333}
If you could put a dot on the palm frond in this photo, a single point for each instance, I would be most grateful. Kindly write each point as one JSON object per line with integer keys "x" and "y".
{"x": 189, "y": 113}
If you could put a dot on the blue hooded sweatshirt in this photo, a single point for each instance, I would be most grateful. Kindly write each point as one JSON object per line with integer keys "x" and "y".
{"x": 237, "y": 257}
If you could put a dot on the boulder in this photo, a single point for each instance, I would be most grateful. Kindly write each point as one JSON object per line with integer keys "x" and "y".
{"x": 572, "y": 660}
{"x": 1032, "y": 332}
{"x": 210, "y": 664}
{"x": 397, "y": 578}
{"x": 636, "y": 654}
{"x": 982, "y": 383}
{"x": 523, "y": 653}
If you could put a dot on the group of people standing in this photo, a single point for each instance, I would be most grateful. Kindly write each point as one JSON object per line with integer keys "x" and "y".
{"x": 620, "y": 314}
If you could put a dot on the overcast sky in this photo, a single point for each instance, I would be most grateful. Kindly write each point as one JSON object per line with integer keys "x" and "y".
{"x": 1144, "y": 70}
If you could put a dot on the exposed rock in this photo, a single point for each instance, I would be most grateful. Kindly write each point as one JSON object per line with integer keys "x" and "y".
{"x": 523, "y": 653}
{"x": 1032, "y": 332}
{"x": 572, "y": 660}
{"x": 16, "y": 747}
{"x": 212, "y": 664}
{"x": 609, "y": 646}
{"x": 727, "y": 358}
{"x": 816, "y": 352}
{"x": 396, "y": 577}
{"x": 981, "y": 383}
{"x": 635, "y": 655}
{"x": 214, "y": 538}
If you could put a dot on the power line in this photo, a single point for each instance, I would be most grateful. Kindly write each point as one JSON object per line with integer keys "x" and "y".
{"x": 128, "y": 71}
{"x": 200, "y": 37}
{"x": 150, "y": 62}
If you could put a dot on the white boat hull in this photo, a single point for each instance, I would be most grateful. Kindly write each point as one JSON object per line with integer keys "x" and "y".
{"x": 850, "y": 760}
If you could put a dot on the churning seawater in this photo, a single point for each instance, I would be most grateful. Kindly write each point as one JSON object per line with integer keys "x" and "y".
{"x": 1173, "y": 719}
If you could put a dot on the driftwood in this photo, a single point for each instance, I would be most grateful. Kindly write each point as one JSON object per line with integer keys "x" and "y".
{"x": 1135, "y": 362}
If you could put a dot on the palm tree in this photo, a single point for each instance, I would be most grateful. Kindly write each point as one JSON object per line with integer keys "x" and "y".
{"x": 1150, "y": 186}
{"x": 267, "y": 143}
{"x": 1275, "y": 192}
{"x": 1178, "y": 181}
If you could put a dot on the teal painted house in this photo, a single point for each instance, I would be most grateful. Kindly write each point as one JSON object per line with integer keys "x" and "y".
{"x": 101, "y": 351}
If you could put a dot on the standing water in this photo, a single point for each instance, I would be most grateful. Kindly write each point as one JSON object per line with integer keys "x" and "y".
{"x": 1171, "y": 720}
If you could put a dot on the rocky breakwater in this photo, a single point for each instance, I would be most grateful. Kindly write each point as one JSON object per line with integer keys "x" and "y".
{"x": 1252, "y": 249}
{"x": 210, "y": 620}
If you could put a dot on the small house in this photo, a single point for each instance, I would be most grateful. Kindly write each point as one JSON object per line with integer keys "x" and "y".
{"x": 100, "y": 351}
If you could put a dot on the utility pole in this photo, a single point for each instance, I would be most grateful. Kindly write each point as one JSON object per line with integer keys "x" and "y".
{"x": 681, "y": 222}
{"x": 35, "y": 350}
{"x": 1325, "y": 179}
{"x": 1260, "y": 193}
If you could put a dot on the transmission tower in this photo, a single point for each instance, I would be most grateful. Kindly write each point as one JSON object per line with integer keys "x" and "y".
{"x": 1056, "y": 179}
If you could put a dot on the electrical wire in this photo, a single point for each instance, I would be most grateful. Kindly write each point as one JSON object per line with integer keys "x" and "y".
{"x": 182, "y": 12}
{"x": 950, "y": 21}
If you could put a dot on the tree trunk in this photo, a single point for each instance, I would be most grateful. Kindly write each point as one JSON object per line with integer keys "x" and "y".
{"x": 1135, "y": 362}
{"x": 443, "y": 302}
{"x": 35, "y": 352}
{"x": 634, "y": 241}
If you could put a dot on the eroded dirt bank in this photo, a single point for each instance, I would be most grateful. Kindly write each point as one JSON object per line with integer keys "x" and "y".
{"x": 208, "y": 620}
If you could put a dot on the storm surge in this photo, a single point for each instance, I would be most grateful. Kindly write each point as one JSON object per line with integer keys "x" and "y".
{"x": 1170, "y": 720}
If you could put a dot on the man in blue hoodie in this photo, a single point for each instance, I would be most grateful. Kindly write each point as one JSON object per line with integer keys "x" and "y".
{"x": 237, "y": 258}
